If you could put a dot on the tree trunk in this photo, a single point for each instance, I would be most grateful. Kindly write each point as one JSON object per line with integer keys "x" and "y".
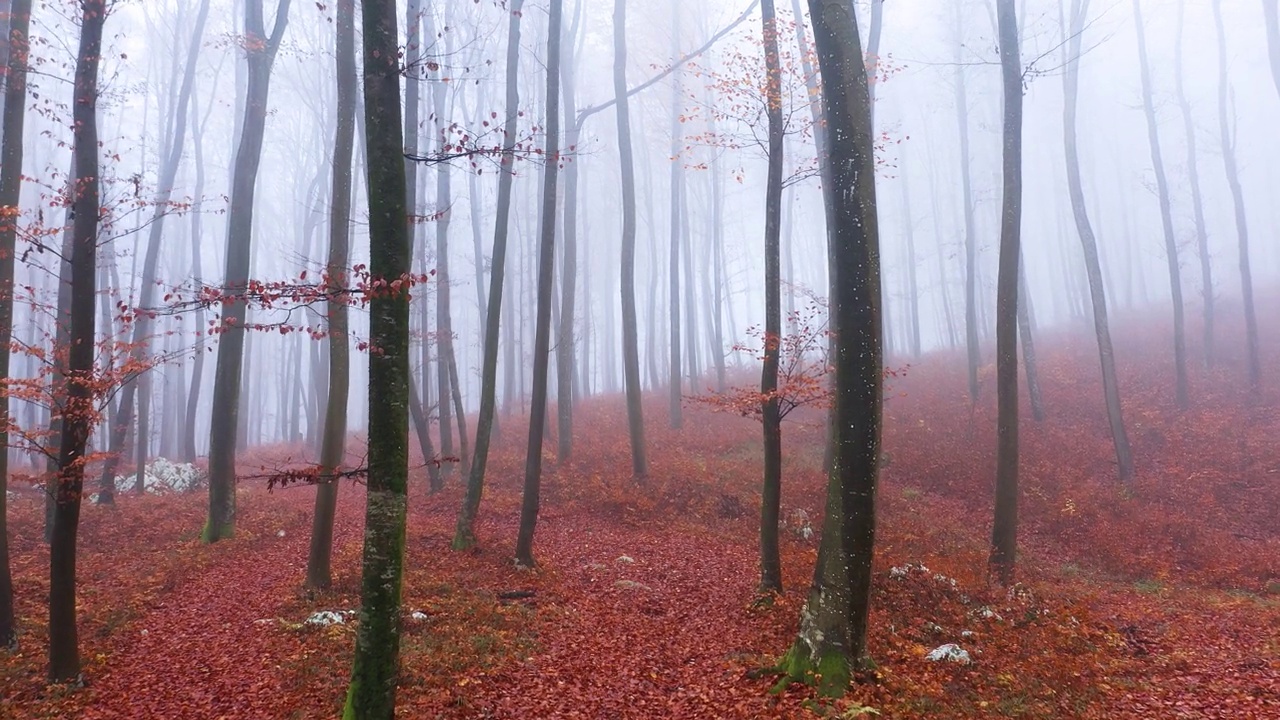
{"x": 64, "y": 653}
{"x": 630, "y": 341}
{"x": 913, "y": 293}
{"x": 675, "y": 387}
{"x": 16, "y": 33}
{"x": 1026, "y": 334}
{"x": 546, "y": 281}
{"x": 833, "y": 624}
{"x": 1197, "y": 202}
{"x": 566, "y": 343}
{"x": 464, "y": 536}
{"x": 1004, "y": 533}
{"x": 1237, "y": 198}
{"x": 372, "y": 693}
{"x": 1089, "y": 244}
{"x": 334, "y": 444}
{"x": 1166, "y": 216}
{"x": 771, "y": 414}
{"x": 227, "y": 376}
{"x": 1271, "y": 13}
{"x": 970, "y": 231}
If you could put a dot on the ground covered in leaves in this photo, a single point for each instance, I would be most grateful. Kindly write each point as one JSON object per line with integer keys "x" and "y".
{"x": 1161, "y": 600}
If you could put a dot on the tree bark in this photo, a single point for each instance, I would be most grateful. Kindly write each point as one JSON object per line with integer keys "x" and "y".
{"x": 972, "y": 343}
{"x": 79, "y": 415}
{"x": 464, "y": 535}
{"x": 771, "y": 414}
{"x": 1089, "y": 244}
{"x": 1271, "y": 14}
{"x": 546, "y": 282}
{"x": 1197, "y": 202}
{"x": 675, "y": 385}
{"x": 372, "y": 693}
{"x": 566, "y": 343}
{"x": 1166, "y": 216}
{"x": 1004, "y": 532}
{"x": 227, "y": 377}
{"x": 630, "y": 340}
{"x": 334, "y": 442}
{"x": 833, "y": 624}
{"x": 16, "y": 33}
{"x": 1237, "y": 199}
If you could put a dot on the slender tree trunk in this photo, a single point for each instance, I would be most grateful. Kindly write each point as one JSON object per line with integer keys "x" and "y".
{"x": 1271, "y": 13}
{"x": 1166, "y": 216}
{"x": 464, "y": 536}
{"x": 771, "y": 495}
{"x": 913, "y": 292}
{"x": 566, "y": 343}
{"x": 1197, "y": 202}
{"x": 630, "y": 340}
{"x": 372, "y": 693}
{"x": 833, "y": 625}
{"x": 972, "y": 343}
{"x": 675, "y": 387}
{"x": 335, "y": 418}
{"x": 16, "y": 34}
{"x": 64, "y": 653}
{"x": 1237, "y": 199}
{"x": 1026, "y": 334}
{"x": 546, "y": 281}
{"x": 227, "y": 377}
{"x": 1004, "y": 533}
{"x": 1101, "y": 323}
{"x": 62, "y": 339}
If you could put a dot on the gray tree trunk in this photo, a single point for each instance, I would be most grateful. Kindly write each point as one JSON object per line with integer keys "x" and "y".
{"x": 1197, "y": 203}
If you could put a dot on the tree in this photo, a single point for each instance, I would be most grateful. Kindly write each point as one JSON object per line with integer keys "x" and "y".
{"x": 970, "y": 229}
{"x": 546, "y": 282}
{"x": 78, "y": 411}
{"x": 833, "y": 624}
{"x": 1193, "y": 177}
{"x": 566, "y": 343}
{"x": 141, "y": 388}
{"x": 1227, "y": 141}
{"x": 17, "y": 33}
{"x": 1004, "y": 532}
{"x": 630, "y": 334}
{"x": 260, "y": 53}
{"x": 464, "y": 535}
{"x": 771, "y": 500}
{"x": 1166, "y": 215}
{"x": 371, "y": 695}
{"x": 675, "y": 384}
{"x": 334, "y": 442}
{"x": 1089, "y": 243}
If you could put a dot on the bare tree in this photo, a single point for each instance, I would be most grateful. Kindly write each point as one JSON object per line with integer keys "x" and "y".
{"x": 1166, "y": 214}
{"x": 1193, "y": 177}
{"x": 260, "y": 53}
{"x": 970, "y": 228}
{"x": 1004, "y": 533}
{"x": 16, "y": 33}
{"x": 1227, "y": 139}
{"x": 833, "y": 625}
{"x": 1271, "y": 13}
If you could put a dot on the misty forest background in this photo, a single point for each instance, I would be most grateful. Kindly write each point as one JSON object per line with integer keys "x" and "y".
{"x": 809, "y": 357}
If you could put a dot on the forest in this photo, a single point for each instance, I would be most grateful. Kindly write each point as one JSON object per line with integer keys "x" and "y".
{"x": 607, "y": 359}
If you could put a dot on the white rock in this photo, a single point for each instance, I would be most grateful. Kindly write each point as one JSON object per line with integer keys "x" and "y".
{"x": 329, "y": 617}
{"x": 418, "y": 615}
{"x": 949, "y": 653}
{"x": 279, "y": 533}
{"x": 626, "y": 559}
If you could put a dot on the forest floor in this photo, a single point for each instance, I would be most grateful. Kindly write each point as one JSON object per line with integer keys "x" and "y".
{"x": 1157, "y": 601}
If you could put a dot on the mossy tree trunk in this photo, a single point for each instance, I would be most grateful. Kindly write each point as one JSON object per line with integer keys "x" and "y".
{"x": 333, "y": 445}
{"x": 371, "y": 695}
{"x": 833, "y": 624}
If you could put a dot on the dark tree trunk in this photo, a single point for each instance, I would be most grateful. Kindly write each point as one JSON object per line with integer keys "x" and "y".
{"x": 227, "y": 376}
{"x": 79, "y": 415}
{"x": 1197, "y": 202}
{"x": 833, "y": 625}
{"x": 630, "y": 340}
{"x": 546, "y": 281}
{"x": 771, "y": 494}
{"x": 1166, "y": 216}
{"x": 15, "y": 33}
{"x": 1004, "y": 532}
{"x": 566, "y": 343}
{"x": 1101, "y": 323}
{"x": 372, "y": 693}
{"x": 62, "y": 337}
{"x": 334, "y": 444}
{"x": 972, "y": 342}
{"x": 1237, "y": 195}
{"x": 464, "y": 536}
